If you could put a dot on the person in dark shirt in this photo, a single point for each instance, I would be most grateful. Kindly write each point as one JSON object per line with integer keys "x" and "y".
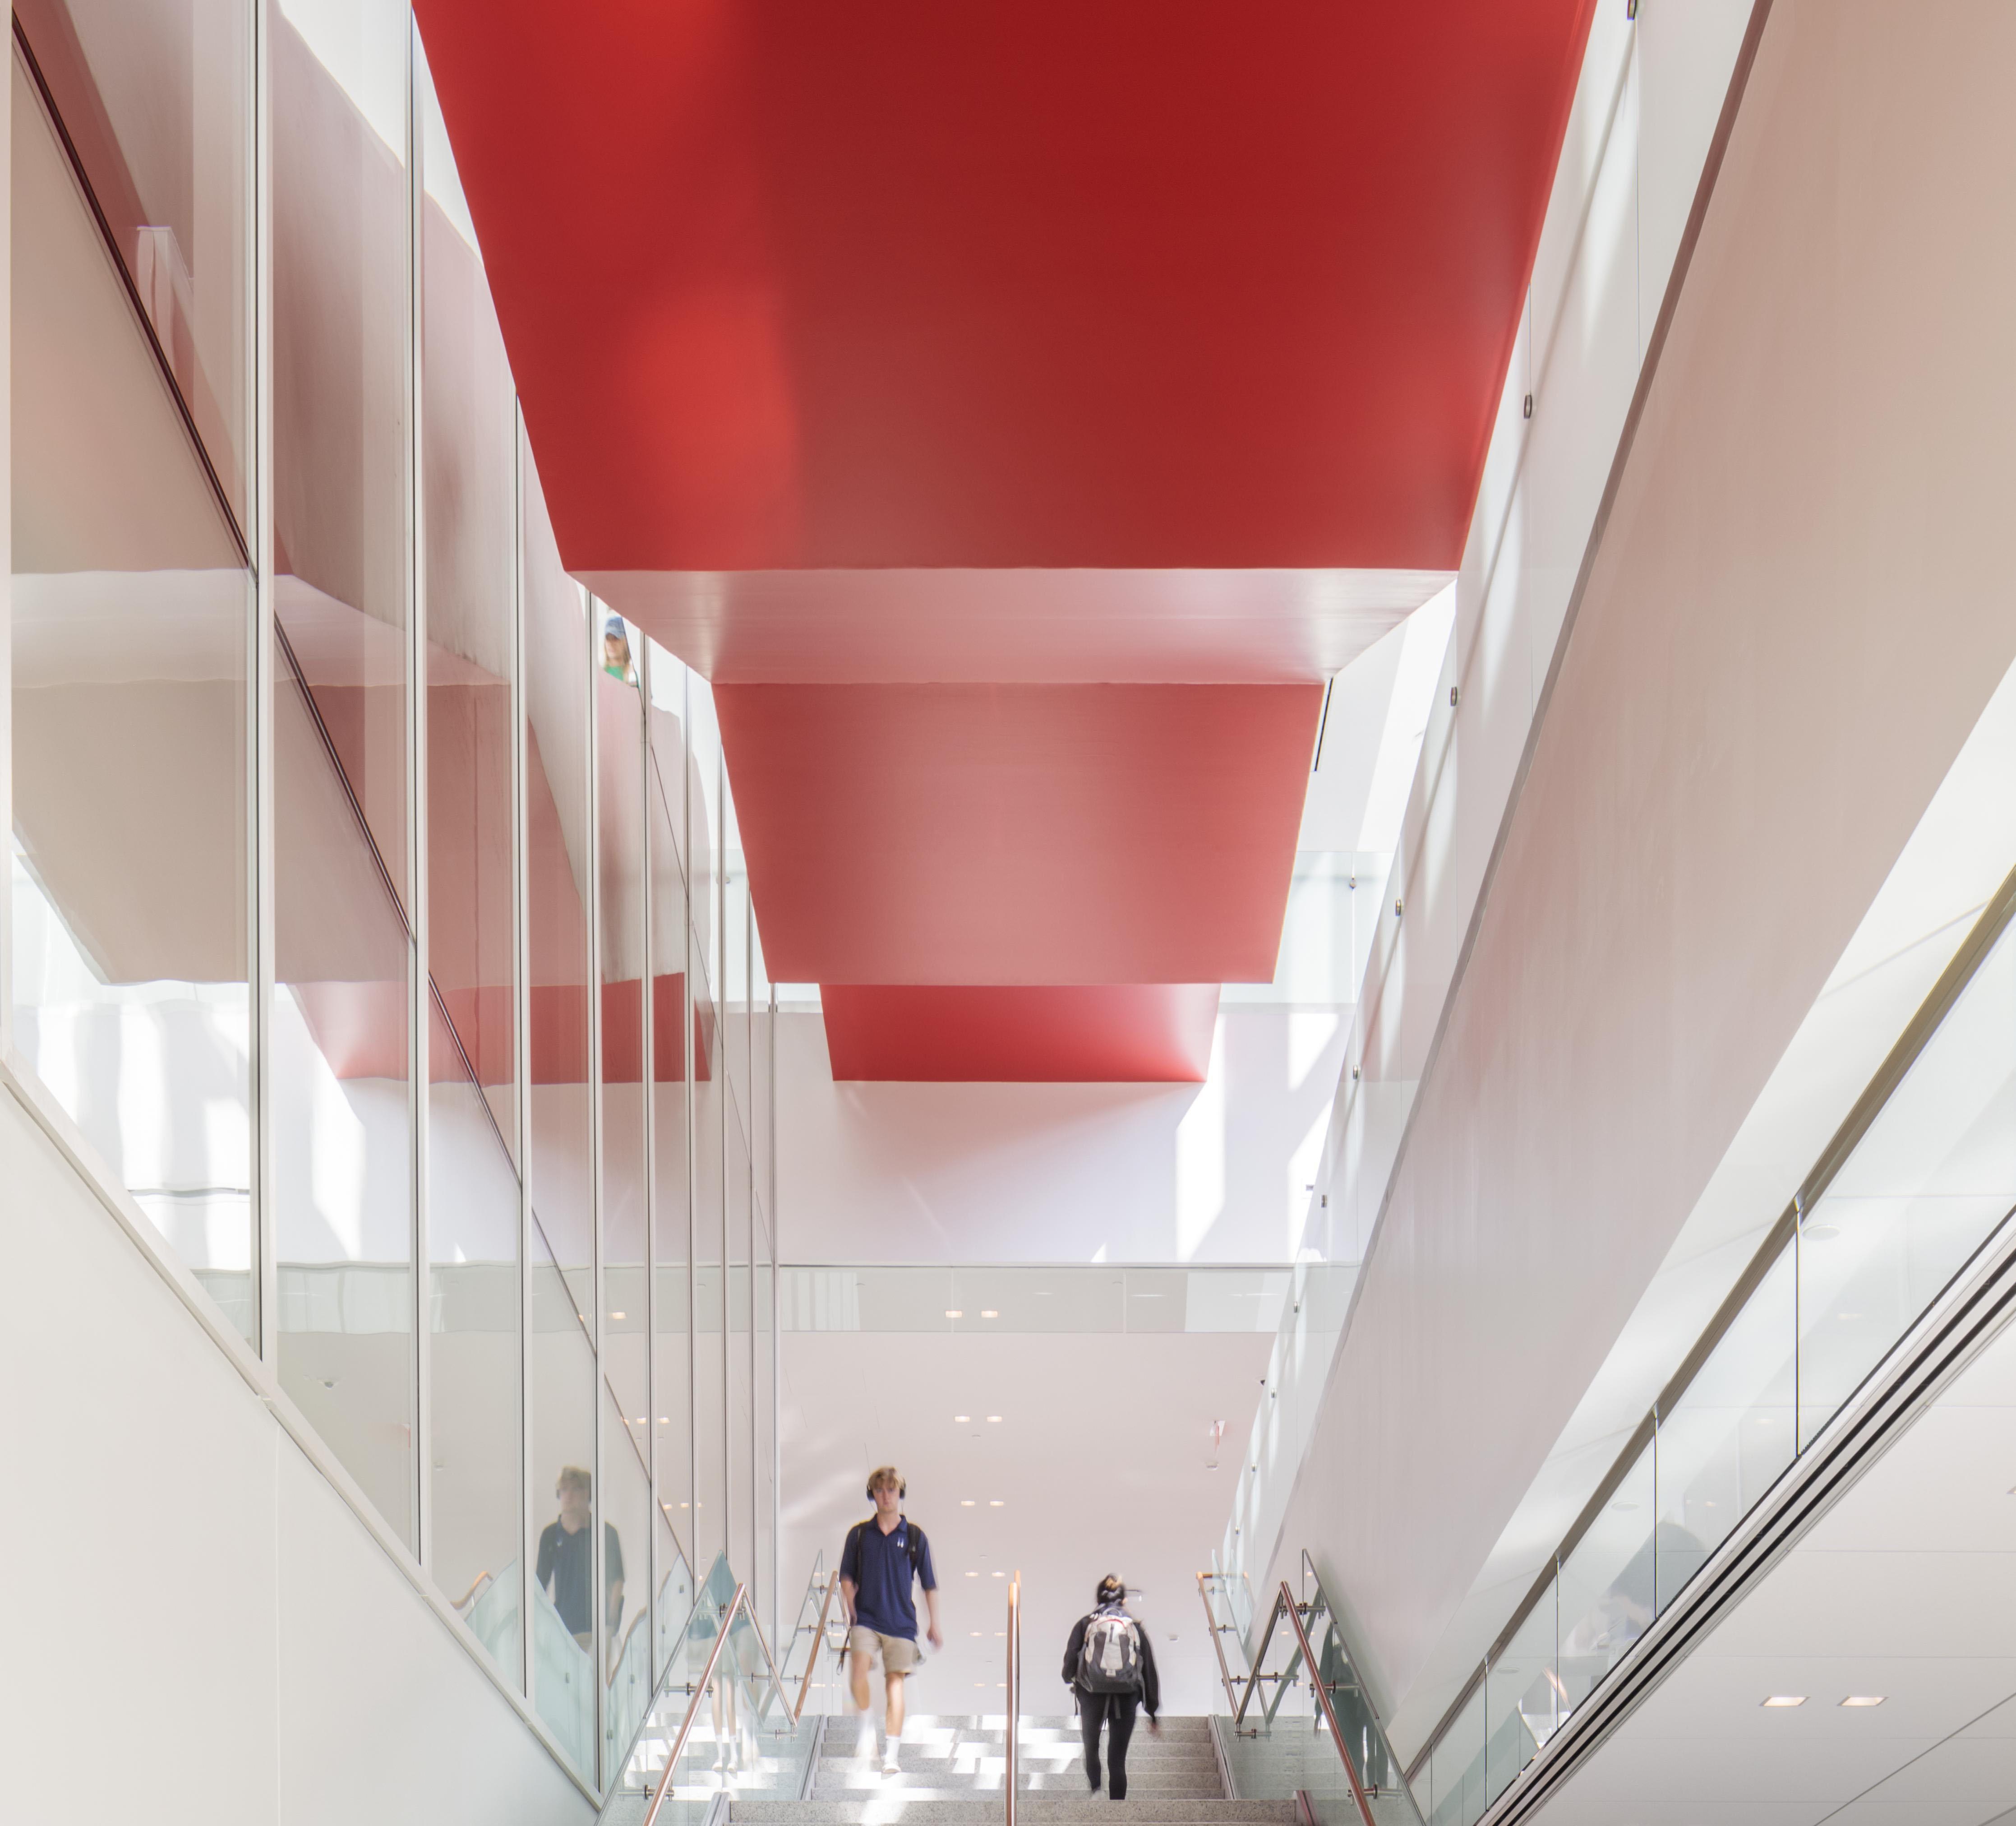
{"x": 882, "y": 1556}
{"x": 567, "y": 1559}
{"x": 1098, "y": 1705}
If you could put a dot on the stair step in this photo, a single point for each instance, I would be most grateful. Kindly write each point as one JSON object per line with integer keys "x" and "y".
{"x": 1062, "y": 1786}
{"x": 1037, "y": 1810}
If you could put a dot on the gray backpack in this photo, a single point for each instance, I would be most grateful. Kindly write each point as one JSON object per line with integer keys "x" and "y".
{"x": 1111, "y": 1660}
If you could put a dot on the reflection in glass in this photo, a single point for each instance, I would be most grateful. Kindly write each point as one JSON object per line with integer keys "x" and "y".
{"x": 620, "y": 909}
{"x": 1936, "y": 1173}
{"x": 670, "y": 1023}
{"x": 1729, "y": 1435}
{"x": 1605, "y": 1587}
{"x": 763, "y": 1571}
{"x": 710, "y": 1237}
{"x": 1523, "y": 1696}
{"x": 563, "y": 1621}
{"x": 626, "y": 1512}
{"x": 130, "y": 606}
{"x": 741, "y": 1353}
{"x": 341, "y": 1072}
{"x": 155, "y": 95}
{"x": 466, "y": 482}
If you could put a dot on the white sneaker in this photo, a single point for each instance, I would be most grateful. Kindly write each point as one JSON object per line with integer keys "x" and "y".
{"x": 892, "y": 1765}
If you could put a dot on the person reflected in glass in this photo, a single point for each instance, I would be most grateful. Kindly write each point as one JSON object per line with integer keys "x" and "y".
{"x": 616, "y": 659}
{"x": 567, "y": 1559}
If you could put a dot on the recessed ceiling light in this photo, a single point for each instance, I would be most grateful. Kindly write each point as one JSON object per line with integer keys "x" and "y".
{"x": 1000, "y": 1575}
{"x": 1864, "y": 1699}
{"x": 616, "y": 1315}
{"x": 966, "y": 1502}
{"x": 973, "y": 1574}
{"x": 961, "y": 1419}
{"x": 955, "y": 1312}
{"x": 988, "y": 1313}
{"x": 1786, "y": 1699}
{"x": 994, "y": 1502}
{"x": 994, "y": 1417}
{"x": 972, "y": 1632}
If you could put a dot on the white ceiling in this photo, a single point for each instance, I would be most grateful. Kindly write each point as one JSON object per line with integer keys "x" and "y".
{"x": 1906, "y": 1589}
{"x": 1099, "y": 1460}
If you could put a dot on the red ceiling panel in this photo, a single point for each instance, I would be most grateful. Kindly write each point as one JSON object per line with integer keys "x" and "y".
{"x": 1015, "y": 410}
{"x": 999, "y": 285}
{"x": 1156, "y": 1033}
{"x": 1019, "y": 833}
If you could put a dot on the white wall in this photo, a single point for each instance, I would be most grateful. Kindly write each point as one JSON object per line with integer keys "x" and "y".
{"x": 200, "y": 1628}
{"x": 1797, "y": 612}
{"x": 1059, "y": 1172}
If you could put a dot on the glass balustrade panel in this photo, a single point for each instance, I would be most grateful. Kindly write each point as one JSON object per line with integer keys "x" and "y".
{"x": 131, "y": 604}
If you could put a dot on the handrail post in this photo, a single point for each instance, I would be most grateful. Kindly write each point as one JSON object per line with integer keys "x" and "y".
{"x": 1014, "y": 1687}
{"x": 1260, "y": 1654}
{"x": 1322, "y": 1698}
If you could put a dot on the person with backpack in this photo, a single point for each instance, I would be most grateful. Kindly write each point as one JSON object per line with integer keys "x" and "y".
{"x": 1109, "y": 1664}
{"x": 883, "y": 1555}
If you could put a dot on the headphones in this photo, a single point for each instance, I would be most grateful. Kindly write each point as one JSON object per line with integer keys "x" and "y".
{"x": 902, "y": 1490}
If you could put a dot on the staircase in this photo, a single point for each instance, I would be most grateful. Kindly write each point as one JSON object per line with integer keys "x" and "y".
{"x": 953, "y": 1770}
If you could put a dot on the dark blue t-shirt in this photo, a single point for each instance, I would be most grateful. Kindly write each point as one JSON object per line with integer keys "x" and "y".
{"x": 879, "y": 1566}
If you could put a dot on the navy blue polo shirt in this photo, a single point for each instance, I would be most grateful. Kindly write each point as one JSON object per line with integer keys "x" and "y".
{"x": 879, "y": 1566}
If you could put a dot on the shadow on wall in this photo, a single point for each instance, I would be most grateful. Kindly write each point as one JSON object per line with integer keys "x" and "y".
{"x": 1123, "y": 1173}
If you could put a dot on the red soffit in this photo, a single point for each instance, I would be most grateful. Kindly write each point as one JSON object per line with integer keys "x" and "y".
{"x": 1019, "y": 833}
{"x": 997, "y": 284}
{"x": 1123, "y": 1033}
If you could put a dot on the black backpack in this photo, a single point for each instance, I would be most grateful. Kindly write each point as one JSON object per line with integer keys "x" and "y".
{"x": 1111, "y": 1660}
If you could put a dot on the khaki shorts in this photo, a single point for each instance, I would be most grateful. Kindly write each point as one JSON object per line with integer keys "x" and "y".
{"x": 898, "y": 1653}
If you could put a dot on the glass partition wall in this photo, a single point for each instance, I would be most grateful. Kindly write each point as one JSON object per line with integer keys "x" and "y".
{"x": 374, "y": 930}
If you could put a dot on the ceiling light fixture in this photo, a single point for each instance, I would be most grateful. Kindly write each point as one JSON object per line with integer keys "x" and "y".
{"x": 973, "y": 1574}
{"x": 955, "y": 1312}
{"x": 999, "y": 1575}
{"x": 966, "y": 1502}
{"x": 988, "y": 1313}
{"x": 1786, "y": 1699}
{"x": 994, "y": 1417}
{"x": 1864, "y": 1699}
{"x": 961, "y": 1419}
{"x": 616, "y": 1315}
{"x": 994, "y": 1502}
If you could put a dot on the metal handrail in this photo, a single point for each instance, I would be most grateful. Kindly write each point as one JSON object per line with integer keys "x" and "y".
{"x": 1285, "y": 1603}
{"x": 819, "y": 1643}
{"x": 1286, "y": 1600}
{"x": 1014, "y": 1685}
{"x": 1215, "y": 1629}
{"x": 739, "y": 1602}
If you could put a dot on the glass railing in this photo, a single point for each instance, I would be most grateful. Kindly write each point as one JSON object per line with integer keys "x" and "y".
{"x": 722, "y": 1721}
{"x": 1296, "y": 1719}
{"x": 811, "y": 1652}
{"x": 1920, "y": 1180}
